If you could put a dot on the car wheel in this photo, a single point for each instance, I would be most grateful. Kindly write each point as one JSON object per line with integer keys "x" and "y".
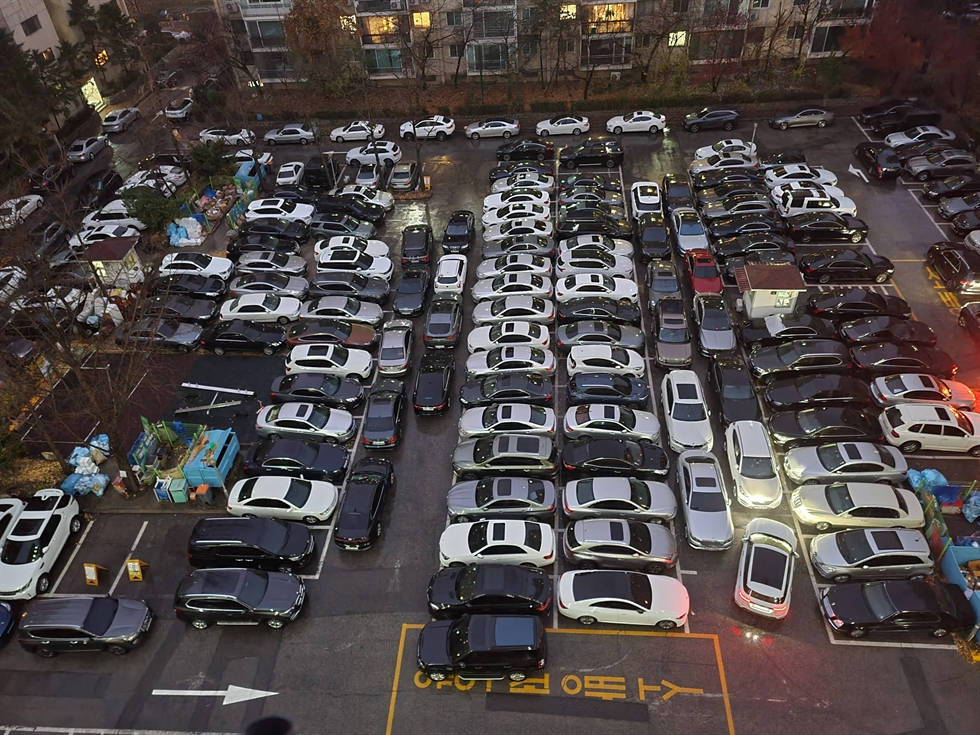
{"x": 505, "y": 157}
{"x": 618, "y": 130}
{"x": 456, "y": 565}
{"x": 43, "y": 584}
{"x": 729, "y": 125}
{"x": 462, "y": 519}
{"x": 45, "y": 652}
{"x": 857, "y": 237}
{"x": 507, "y": 134}
{"x": 806, "y": 237}
{"x": 117, "y": 650}
{"x": 517, "y": 676}
{"x": 924, "y": 176}
{"x": 576, "y": 131}
{"x": 283, "y": 320}
{"x": 268, "y": 350}
{"x": 310, "y": 520}
{"x": 655, "y": 568}
{"x": 821, "y": 123}
{"x": 666, "y": 624}
{"x": 822, "y": 526}
{"x": 784, "y": 126}
{"x": 610, "y": 163}
{"x": 272, "y": 141}
{"x": 305, "y": 141}
{"x": 824, "y": 278}
{"x": 474, "y": 136}
{"x": 881, "y": 278}
{"x": 76, "y": 524}
{"x": 940, "y": 633}
{"x": 440, "y": 136}
{"x": 219, "y": 351}
{"x": 340, "y": 139}
{"x": 199, "y": 623}
{"x": 587, "y": 620}
{"x": 275, "y": 623}
{"x": 694, "y": 128}
{"x": 437, "y": 676}
{"x": 528, "y": 564}
{"x": 909, "y": 447}
{"x": 541, "y": 156}
{"x": 974, "y": 451}
{"x": 841, "y": 578}
{"x": 248, "y": 515}
{"x": 408, "y": 136}
{"x": 857, "y": 632}
{"x": 545, "y": 133}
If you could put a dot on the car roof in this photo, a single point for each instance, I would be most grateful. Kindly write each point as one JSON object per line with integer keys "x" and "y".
{"x": 914, "y": 413}
{"x": 57, "y": 611}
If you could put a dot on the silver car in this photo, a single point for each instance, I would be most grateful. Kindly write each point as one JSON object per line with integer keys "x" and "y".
{"x": 271, "y": 261}
{"x": 306, "y": 420}
{"x": 673, "y": 338}
{"x": 706, "y": 505}
{"x": 715, "y": 334}
{"x": 505, "y": 454}
{"x": 514, "y": 418}
{"x": 395, "y": 352}
{"x": 871, "y": 553}
{"x": 856, "y": 505}
{"x": 608, "y": 419}
{"x": 118, "y": 120}
{"x": 275, "y": 283}
{"x": 343, "y": 307}
{"x": 807, "y": 116}
{"x": 620, "y": 544}
{"x": 845, "y": 461}
{"x": 510, "y": 359}
{"x": 501, "y": 497}
{"x": 662, "y": 282}
{"x": 619, "y": 497}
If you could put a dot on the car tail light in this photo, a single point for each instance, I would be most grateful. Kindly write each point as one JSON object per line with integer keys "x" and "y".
{"x": 543, "y": 606}
{"x": 743, "y": 596}
{"x": 894, "y": 433}
{"x": 562, "y": 605}
{"x": 569, "y": 466}
{"x": 548, "y": 556}
{"x": 781, "y": 609}
{"x": 540, "y": 663}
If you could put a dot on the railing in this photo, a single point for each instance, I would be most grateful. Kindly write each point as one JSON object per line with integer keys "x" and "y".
{"x": 489, "y": 3}
{"x": 592, "y": 28}
{"x": 362, "y": 7}
{"x": 257, "y": 9}
{"x": 368, "y": 39}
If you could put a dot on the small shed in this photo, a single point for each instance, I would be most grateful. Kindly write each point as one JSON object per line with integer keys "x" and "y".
{"x": 114, "y": 262}
{"x": 769, "y": 288}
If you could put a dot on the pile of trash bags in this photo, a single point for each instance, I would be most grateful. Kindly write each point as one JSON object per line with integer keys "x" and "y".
{"x": 185, "y": 232}
{"x": 86, "y": 460}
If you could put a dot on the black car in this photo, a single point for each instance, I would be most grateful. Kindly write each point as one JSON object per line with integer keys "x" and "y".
{"x": 775, "y": 159}
{"x": 256, "y": 543}
{"x": 331, "y": 224}
{"x": 482, "y": 647}
{"x": 878, "y": 159}
{"x": 585, "y": 210}
{"x": 614, "y": 456}
{"x": 207, "y": 287}
{"x": 433, "y": 382}
{"x": 416, "y": 244}
{"x": 599, "y": 307}
{"x": 505, "y": 170}
{"x": 710, "y": 119}
{"x": 726, "y": 189}
{"x": 732, "y": 382}
{"x": 297, "y": 458}
{"x": 531, "y": 244}
{"x": 334, "y": 332}
{"x": 460, "y": 232}
{"x": 625, "y": 390}
{"x": 182, "y": 307}
{"x": 783, "y": 328}
{"x": 969, "y": 318}
{"x": 650, "y": 236}
{"x": 905, "y": 119}
{"x": 510, "y": 388}
{"x": 715, "y": 177}
{"x": 754, "y": 242}
{"x": 602, "y": 181}
{"x": 359, "y": 518}
{"x": 593, "y": 151}
{"x": 598, "y": 332}
{"x": 284, "y": 229}
{"x": 357, "y": 208}
{"x": 757, "y": 256}
{"x": 383, "y": 414}
{"x": 443, "y": 322}
{"x": 826, "y": 227}
{"x": 156, "y": 332}
{"x": 817, "y": 390}
{"x": 743, "y": 224}
{"x": 897, "y": 606}
{"x": 50, "y": 239}
{"x": 923, "y": 148}
{"x": 79, "y": 623}
{"x": 889, "y": 106}
{"x": 238, "y": 335}
{"x": 885, "y": 358}
{"x": 886, "y": 329}
{"x": 327, "y": 390}
{"x": 528, "y": 149}
{"x": 50, "y": 179}
{"x": 952, "y": 186}
{"x": 596, "y": 223}
{"x": 675, "y": 191}
{"x": 349, "y": 283}
{"x": 844, "y": 264}
{"x": 8, "y": 621}
{"x": 794, "y": 427}
{"x": 239, "y": 597}
{"x": 851, "y": 303}
{"x": 257, "y": 242}
{"x": 298, "y": 194}
{"x": 801, "y": 355}
{"x": 957, "y": 266}
{"x": 487, "y": 589}
{"x": 411, "y": 292}
{"x": 98, "y": 189}
{"x": 966, "y": 222}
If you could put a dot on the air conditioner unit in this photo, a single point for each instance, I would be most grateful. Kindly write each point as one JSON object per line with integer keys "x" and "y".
{"x": 616, "y": 75}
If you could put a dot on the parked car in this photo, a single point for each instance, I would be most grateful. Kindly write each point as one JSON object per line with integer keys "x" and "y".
{"x": 254, "y": 543}
{"x": 33, "y": 542}
{"x": 460, "y": 232}
{"x": 915, "y": 427}
{"x": 411, "y": 293}
{"x": 84, "y": 623}
{"x": 764, "y": 582}
{"x": 297, "y": 458}
{"x": 383, "y": 414}
{"x": 527, "y": 149}
{"x": 851, "y": 303}
{"x": 433, "y": 382}
{"x": 488, "y": 589}
{"x": 85, "y": 149}
{"x": 404, "y": 177}
{"x": 704, "y": 501}
{"x": 437, "y": 126}
{"x": 505, "y": 454}
{"x": 845, "y": 264}
{"x": 886, "y": 329}
{"x": 239, "y": 597}
{"x": 501, "y": 497}
{"x": 597, "y": 151}
{"x": 639, "y": 121}
{"x": 286, "y": 498}
{"x": 871, "y": 554}
{"x": 709, "y": 119}
{"x": 330, "y": 390}
{"x": 883, "y": 358}
{"x": 523, "y": 388}
{"x": 492, "y": 127}
{"x": 805, "y": 117}
{"x": 506, "y": 541}
{"x": 360, "y": 517}
{"x": 292, "y": 133}
{"x": 854, "y": 461}
{"x": 922, "y": 389}
{"x": 879, "y": 160}
{"x": 563, "y": 125}
{"x": 732, "y": 383}
{"x": 305, "y": 420}
{"x": 496, "y": 647}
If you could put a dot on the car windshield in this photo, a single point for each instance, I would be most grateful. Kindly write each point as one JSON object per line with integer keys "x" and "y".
{"x": 466, "y": 582}
{"x": 392, "y": 353}
{"x": 736, "y": 386}
{"x": 298, "y": 493}
{"x": 253, "y": 590}
{"x": 665, "y": 284}
{"x": 100, "y": 615}
{"x": 716, "y": 320}
{"x": 674, "y": 335}
{"x": 532, "y": 536}
{"x": 411, "y": 285}
{"x": 459, "y": 640}
{"x": 482, "y": 450}
{"x": 477, "y": 537}
{"x": 768, "y": 569}
{"x": 757, "y": 468}
{"x": 838, "y": 498}
{"x": 688, "y": 412}
{"x": 640, "y": 538}
{"x": 705, "y": 271}
{"x": 641, "y": 591}
{"x": 853, "y": 546}
{"x": 20, "y": 552}
{"x": 878, "y": 601}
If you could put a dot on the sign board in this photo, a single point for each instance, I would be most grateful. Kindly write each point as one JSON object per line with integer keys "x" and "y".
{"x": 92, "y": 573}
{"x": 134, "y": 568}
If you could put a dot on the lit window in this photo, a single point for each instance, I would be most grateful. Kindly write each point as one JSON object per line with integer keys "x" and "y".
{"x": 102, "y": 58}
{"x": 569, "y": 12}
{"x": 677, "y": 38}
{"x": 421, "y": 20}
{"x": 348, "y": 23}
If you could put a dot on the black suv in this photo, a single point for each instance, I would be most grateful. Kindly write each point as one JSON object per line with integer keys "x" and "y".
{"x": 606, "y": 152}
{"x": 482, "y": 647}
{"x": 359, "y": 517}
{"x": 709, "y": 118}
{"x": 416, "y": 244}
{"x": 239, "y": 597}
{"x": 909, "y": 118}
{"x": 459, "y": 233}
{"x": 53, "y": 625}
{"x": 258, "y": 543}
{"x": 957, "y": 266}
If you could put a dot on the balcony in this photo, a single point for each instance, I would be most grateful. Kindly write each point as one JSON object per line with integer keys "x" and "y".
{"x": 380, "y": 7}
{"x": 489, "y": 4}
{"x": 265, "y": 9}
{"x": 855, "y": 11}
{"x": 380, "y": 39}
{"x": 598, "y": 28}
{"x": 493, "y": 25}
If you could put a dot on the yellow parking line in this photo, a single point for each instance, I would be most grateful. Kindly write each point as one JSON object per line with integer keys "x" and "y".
{"x": 724, "y": 687}
{"x": 398, "y": 671}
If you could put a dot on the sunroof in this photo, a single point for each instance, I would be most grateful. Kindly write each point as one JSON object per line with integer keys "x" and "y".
{"x": 886, "y": 540}
{"x": 616, "y": 531}
{"x": 687, "y": 391}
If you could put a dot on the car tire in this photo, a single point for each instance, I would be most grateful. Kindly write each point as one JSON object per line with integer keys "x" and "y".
{"x": 199, "y": 623}
{"x": 618, "y": 130}
{"x": 881, "y": 278}
{"x": 924, "y": 176}
{"x": 219, "y": 351}
{"x": 587, "y": 620}
{"x": 249, "y": 515}
{"x": 857, "y": 237}
{"x": 974, "y": 451}
{"x": 310, "y": 520}
{"x": 474, "y": 136}
{"x": 268, "y": 350}
{"x": 408, "y": 136}
{"x": 186, "y": 348}
{"x": 806, "y": 237}
{"x": 462, "y": 519}
{"x": 505, "y": 157}
{"x": 507, "y": 134}
{"x": 821, "y": 123}
{"x": 940, "y": 633}
{"x": 822, "y": 526}
{"x": 305, "y": 141}
{"x": 728, "y": 125}
{"x": 824, "y": 278}
{"x": 666, "y": 624}
{"x": 440, "y": 136}
{"x": 655, "y": 568}
{"x": 517, "y": 676}
{"x": 271, "y": 141}
{"x": 456, "y": 565}
{"x": 857, "y": 632}
{"x": 117, "y": 650}
{"x": 437, "y": 676}
{"x": 841, "y": 578}
{"x": 528, "y": 565}
{"x": 610, "y": 163}
{"x": 43, "y": 584}
{"x": 275, "y": 623}
{"x": 540, "y": 156}
{"x": 45, "y": 652}
{"x": 576, "y": 131}
{"x": 545, "y": 133}
{"x": 340, "y": 139}
{"x": 784, "y": 126}
{"x": 694, "y": 128}
{"x": 284, "y": 320}
{"x": 909, "y": 447}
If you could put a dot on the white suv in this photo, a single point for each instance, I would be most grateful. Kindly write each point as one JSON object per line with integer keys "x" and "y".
{"x": 912, "y": 427}
{"x": 754, "y": 473}
{"x": 685, "y": 413}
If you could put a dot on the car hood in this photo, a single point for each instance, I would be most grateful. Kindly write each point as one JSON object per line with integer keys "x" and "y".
{"x": 848, "y": 603}
{"x": 330, "y": 457}
{"x": 674, "y": 351}
{"x": 786, "y": 424}
{"x": 442, "y": 587}
{"x": 433, "y": 647}
{"x": 766, "y": 358}
{"x": 713, "y": 527}
{"x": 717, "y": 341}
{"x": 282, "y": 592}
{"x": 15, "y": 576}
{"x": 740, "y": 409}
{"x": 824, "y": 549}
{"x": 690, "y": 433}
{"x": 129, "y": 617}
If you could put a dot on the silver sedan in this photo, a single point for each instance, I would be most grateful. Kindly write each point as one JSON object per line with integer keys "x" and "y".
{"x": 501, "y": 497}
{"x": 306, "y": 420}
{"x": 395, "y": 352}
{"x": 620, "y": 544}
{"x": 513, "y": 418}
{"x": 608, "y": 419}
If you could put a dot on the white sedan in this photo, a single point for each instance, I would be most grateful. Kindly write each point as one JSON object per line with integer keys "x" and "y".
{"x": 450, "y": 275}
{"x": 839, "y": 205}
{"x": 247, "y": 155}
{"x": 511, "y": 359}
{"x": 383, "y": 150}
{"x": 90, "y": 235}
{"x": 645, "y": 197}
{"x": 358, "y": 130}
{"x": 685, "y": 411}
{"x": 85, "y": 149}
{"x": 492, "y": 127}
{"x": 150, "y": 179}
{"x": 515, "y": 211}
{"x": 199, "y": 264}
{"x": 437, "y": 126}
{"x": 227, "y": 137}
{"x": 513, "y": 284}
{"x": 563, "y": 125}
{"x": 512, "y": 332}
{"x": 510, "y": 308}
{"x": 374, "y": 248}
{"x": 622, "y": 597}
{"x": 287, "y": 498}
{"x": 592, "y": 284}
{"x": 514, "y": 228}
{"x": 608, "y": 419}
{"x": 332, "y": 260}
{"x": 800, "y": 172}
{"x": 918, "y": 135}
{"x": 287, "y": 209}
{"x": 15, "y": 211}
{"x": 497, "y": 542}
{"x": 271, "y": 261}
{"x": 523, "y": 181}
{"x": 290, "y": 173}
{"x": 329, "y": 360}
{"x": 723, "y": 161}
{"x": 728, "y": 145}
{"x": 605, "y": 359}
{"x": 639, "y": 121}
{"x": 262, "y": 307}
{"x": 368, "y": 195}
{"x": 515, "y": 263}
{"x": 611, "y": 245}
{"x": 516, "y": 196}
{"x": 777, "y": 192}
{"x": 582, "y": 260}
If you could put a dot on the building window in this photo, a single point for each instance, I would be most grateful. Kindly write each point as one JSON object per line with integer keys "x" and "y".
{"x": 265, "y": 34}
{"x": 379, "y": 29}
{"x": 487, "y": 57}
{"x": 569, "y": 45}
{"x": 760, "y": 3}
{"x": 489, "y": 24}
{"x": 421, "y": 20}
{"x": 677, "y": 38}
{"x": 606, "y": 51}
{"x": 569, "y": 12}
{"x": 826, "y": 39}
{"x": 31, "y": 25}
{"x": 530, "y": 47}
{"x": 455, "y": 50}
{"x": 102, "y": 58}
{"x": 612, "y": 18}
{"x": 795, "y": 32}
{"x": 682, "y": 6}
{"x": 383, "y": 61}
{"x": 454, "y": 18}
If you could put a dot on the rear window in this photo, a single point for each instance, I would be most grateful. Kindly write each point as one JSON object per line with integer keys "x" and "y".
{"x": 532, "y": 536}
{"x": 707, "y": 502}
{"x": 894, "y": 416}
{"x": 853, "y": 546}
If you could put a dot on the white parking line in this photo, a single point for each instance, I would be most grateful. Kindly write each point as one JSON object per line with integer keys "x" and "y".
{"x": 71, "y": 558}
{"x": 926, "y": 212}
{"x": 129, "y": 555}
{"x": 42, "y": 730}
{"x": 863, "y": 131}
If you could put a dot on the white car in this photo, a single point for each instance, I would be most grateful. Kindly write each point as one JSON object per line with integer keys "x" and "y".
{"x": 450, "y": 276}
{"x": 15, "y": 211}
{"x": 492, "y": 127}
{"x": 374, "y": 248}
{"x": 290, "y": 173}
{"x": 352, "y": 259}
{"x": 271, "y": 261}
{"x": 437, "y": 126}
{"x": 919, "y": 388}
{"x": 306, "y": 421}
{"x": 844, "y": 461}
{"x": 722, "y": 161}
{"x": 497, "y": 542}
{"x": 514, "y": 228}
{"x": 517, "y": 196}
{"x": 685, "y": 411}
{"x": 510, "y": 308}
{"x": 247, "y": 155}
{"x": 329, "y": 360}
{"x": 358, "y": 130}
{"x": 912, "y": 428}
{"x": 511, "y": 359}
{"x": 706, "y": 506}
{"x": 800, "y": 172}
{"x": 516, "y": 211}
{"x": 343, "y": 308}
{"x": 242, "y": 136}
{"x": 856, "y": 505}
{"x": 645, "y": 197}
{"x": 639, "y": 121}
{"x": 86, "y": 237}
{"x": 511, "y": 418}
{"x": 512, "y": 284}
{"x": 764, "y": 582}
{"x": 119, "y": 120}
{"x": 113, "y": 213}
{"x": 149, "y": 179}
{"x": 512, "y": 332}
{"x": 302, "y": 133}
{"x": 728, "y": 145}
{"x": 85, "y": 149}
{"x": 750, "y": 459}
{"x": 776, "y": 193}
{"x": 287, "y": 209}
{"x": 583, "y": 260}
{"x": 563, "y": 125}
{"x": 286, "y": 498}
{"x": 380, "y": 150}
{"x": 177, "y": 109}
{"x": 605, "y": 359}
{"x": 199, "y": 264}
{"x": 368, "y": 195}
{"x": 523, "y": 181}
{"x": 34, "y": 541}
{"x": 370, "y": 175}
{"x": 794, "y": 204}
{"x": 623, "y": 598}
{"x": 608, "y": 419}
{"x": 516, "y": 263}
{"x": 593, "y": 284}
{"x": 261, "y": 307}
{"x": 612, "y": 245}
{"x": 619, "y": 497}
{"x": 918, "y": 135}
{"x": 688, "y": 229}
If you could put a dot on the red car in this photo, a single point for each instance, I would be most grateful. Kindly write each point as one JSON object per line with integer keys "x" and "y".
{"x": 703, "y": 271}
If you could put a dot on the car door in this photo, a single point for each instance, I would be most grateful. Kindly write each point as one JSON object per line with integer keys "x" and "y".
{"x": 271, "y": 508}
{"x": 956, "y": 439}
{"x": 64, "y": 639}
{"x": 896, "y": 566}
{"x": 618, "y": 611}
{"x": 902, "y": 621}
{"x": 51, "y": 541}
{"x": 220, "y": 610}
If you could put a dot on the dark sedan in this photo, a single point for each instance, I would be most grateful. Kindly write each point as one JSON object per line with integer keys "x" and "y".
{"x": 952, "y": 186}
{"x": 357, "y": 208}
{"x": 599, "y": 307}
{"x": 333, "y": 332}
{"x": 710, "y": 119}
{"x": 785, "y": 327}
{"x": 885, "y": 358}
{"x": 592, "y": 223}
{"x": 505, "y": 170}
{"x": 489, "y": 589}
{"x": 460, "y": 232}
{"x": 726, "y": 189}
{"x": 743, "y": 224}
{"x": 717, "y": 176}
{"x": 802, "y": 355}
{"x": 775, "y": 159}
{"x": 650, "y": 236}
{"x": 331, "y": 224}
{"x": 969, "y": 318}
{"x": 817, "y": 390}
{"x": 156, "y": 332}
{"x": 256, "y": 242}
{"x": 886, "y": 329}
{"x": 612, "y": 456}
{"x": 443, "y": 322}
{"x": 879, "y": 160}
{"x": 349, "y": 283}
{"x": 851, "y": 303}
{"x": 889, "y": 106}
{"x": 207, "y": 287}
{"x": 826, "y": 227}
{"x": 966, "y": 222}
{"x": 359, "y": 521}
{"x": 676, "y": 192}
{"x": 528, "y": 149}
{"x": 795, "y": 427}
{"x": 596, "y": 151}
{"x": 327, "y": 390}
{"x": 844, "y": 264}
{"x": 598, "y": 332}
{"x": 383, "y": 414}
{"x": 297, "y": 458}
{"x": 510, "y": 388}
{"x": 98, "y": 189}
{"x": 238, "y": 335}
{"x": 183, "y": 308}
{"x": 625, "y": 390}
{"x": 411, "y": 292}
{"x": 733, "y": 247}
{"x": 433, "y": 383}
{"x": 732, "y": 382}
{"x": 416, "y": 244}
{"x": 284, "y": 229}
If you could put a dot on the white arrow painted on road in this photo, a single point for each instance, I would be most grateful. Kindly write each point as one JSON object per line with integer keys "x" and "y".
{"x": 232, "y": 695}
{"x": 857, "y": 172}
